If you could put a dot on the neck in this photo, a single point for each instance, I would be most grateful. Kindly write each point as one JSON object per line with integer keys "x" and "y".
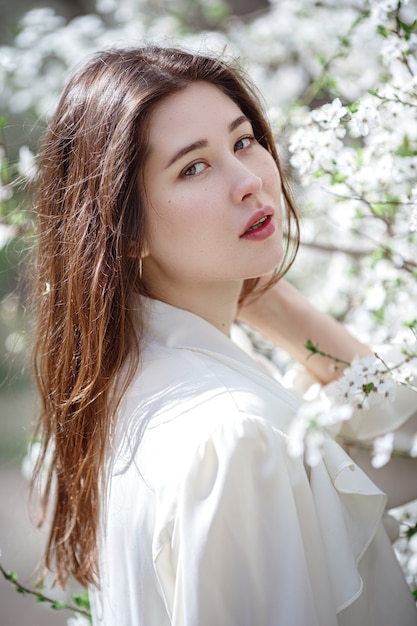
{"x": 215, "y": 302}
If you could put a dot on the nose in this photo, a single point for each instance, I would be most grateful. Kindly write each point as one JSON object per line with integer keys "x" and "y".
{"x": 245, "y": 182}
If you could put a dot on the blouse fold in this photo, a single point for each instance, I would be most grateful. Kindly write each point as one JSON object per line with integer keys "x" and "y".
{"x": 210, "y": 521}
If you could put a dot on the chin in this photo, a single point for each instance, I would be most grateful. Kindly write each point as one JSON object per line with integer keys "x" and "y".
{"x": 266, "y": 269}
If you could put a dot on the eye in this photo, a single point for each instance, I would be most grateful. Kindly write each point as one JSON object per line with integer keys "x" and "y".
{"x": 194, "y": 169}
{"x": 244, "y": 142}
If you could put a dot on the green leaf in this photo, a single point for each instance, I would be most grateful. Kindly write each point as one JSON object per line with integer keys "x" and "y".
{"x": 330, "y": 82}
{"x": 381, "y": 30}
{"x": 338, "y": 178}
{"x": 58, "y": 606}
{"x": 215, "y": 12}
{"x": 379, "y": 315}
{"x": 322, "y": 59}
{"x": 309, "y": 345}
{"x": 368, "y": 388}
{"x": 345, "y": 42}
{"x": 354, "y": 106}
{"x": 406, "y": 149}
{"x": 12, "y": 576}
{"x": 40, "y": 599}
{"x": 411, "y": 531}
{"x": 408, "y": 28}
{"x": 82, "y": 600}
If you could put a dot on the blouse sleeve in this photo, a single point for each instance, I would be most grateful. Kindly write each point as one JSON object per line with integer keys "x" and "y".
{"x": 397, "y": 415}
{"x": 242, "y": 545}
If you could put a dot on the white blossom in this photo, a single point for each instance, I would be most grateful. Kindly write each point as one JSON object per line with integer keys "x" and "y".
{"x": 106, "y": 6}
{"x": 27, "y": 164}
{"x": 313, "y": 148}
{"x": 364, "y": 119}
{"x": 396, "y": 49}
{"x": 406, "y": 371}
{"x": 328, "y": 116}
{"x": 381, "y": 8}
{"x": 365, "y": 383}
{"x": 375, "y": 296}
{"x": 6, "y": 192}
{"x": 413, "y": 210}
{"x": 30, "y": 460}
{"x": 6, "y": 232}
{"x": 308, "y": 429}
{"x": 382, "y": 450}
{"x": 15, "y": 342}
{"x": 352, "y": 159}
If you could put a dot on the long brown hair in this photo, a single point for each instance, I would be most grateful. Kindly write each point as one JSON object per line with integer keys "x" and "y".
{"x": 89, "y": 217}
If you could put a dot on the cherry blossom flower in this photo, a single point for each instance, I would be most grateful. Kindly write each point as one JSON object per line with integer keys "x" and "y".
{"x": 381, "y": 8}
{"x": 308, "y": 430}
{"x": 382, "y": 450}
{"x": 365, "y": 383}
{"x": 364, "y": 119}
{"x": 27, "y": 165}
{"x": 413, "y": 211}
{"x": 328, "y": 116}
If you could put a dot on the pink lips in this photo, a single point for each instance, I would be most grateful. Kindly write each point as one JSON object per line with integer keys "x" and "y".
{"x": 260, "y": 225}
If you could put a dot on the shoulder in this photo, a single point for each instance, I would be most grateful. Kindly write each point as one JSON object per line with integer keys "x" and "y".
{"x": 206, "y": 445}
{"x": 173, "y": 381}
{"x": 180, "y": 401}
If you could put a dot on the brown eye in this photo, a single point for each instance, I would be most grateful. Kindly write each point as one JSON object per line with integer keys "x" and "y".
{"x": 194, "y": 169}
{"x": 244, "y": 142}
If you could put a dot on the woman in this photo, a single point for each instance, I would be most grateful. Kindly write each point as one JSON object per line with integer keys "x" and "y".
{"x": 161, "y": 203}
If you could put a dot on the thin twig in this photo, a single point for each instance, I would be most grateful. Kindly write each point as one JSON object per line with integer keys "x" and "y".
{"x": 55, "y": 604}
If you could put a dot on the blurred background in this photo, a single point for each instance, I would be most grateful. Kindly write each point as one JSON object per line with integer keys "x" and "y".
{"x": 20, "y": 541}
{"x": 346, "y": 129}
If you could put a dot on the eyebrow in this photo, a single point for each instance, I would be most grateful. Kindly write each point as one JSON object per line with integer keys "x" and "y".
{"x": 202, "y": 143}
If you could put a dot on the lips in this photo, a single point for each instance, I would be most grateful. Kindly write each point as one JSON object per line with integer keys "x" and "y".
{"x": 258, "y": 224}
{"x": 258, "y": 221}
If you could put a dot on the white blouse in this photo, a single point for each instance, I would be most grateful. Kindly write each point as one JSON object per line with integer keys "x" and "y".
{"x": 209, "y": 521}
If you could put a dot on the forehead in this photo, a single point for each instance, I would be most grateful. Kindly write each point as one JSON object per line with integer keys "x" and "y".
{"x": 190, "y": 113}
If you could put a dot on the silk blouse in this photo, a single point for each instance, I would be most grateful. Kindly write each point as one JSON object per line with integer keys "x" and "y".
{"x": 209, "y": 521}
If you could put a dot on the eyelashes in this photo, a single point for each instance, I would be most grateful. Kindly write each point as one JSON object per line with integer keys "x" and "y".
{"x": 194, "y": 169}
{"x": 198, "y": 167}
{"x": 245, "y": 141}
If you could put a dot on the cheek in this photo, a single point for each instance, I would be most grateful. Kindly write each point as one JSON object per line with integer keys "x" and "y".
{"x": 273, "y": 177}
{"x": 170, "y": 221}
{"x": 159, "y": 210}
{"x": 183, "y": 210}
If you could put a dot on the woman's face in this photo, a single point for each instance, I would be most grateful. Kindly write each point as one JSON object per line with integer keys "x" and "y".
{"x": 212, "y": 194}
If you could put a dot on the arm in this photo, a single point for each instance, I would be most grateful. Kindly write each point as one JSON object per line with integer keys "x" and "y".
{"x": 288, "y": 319}
{"x": 285, "y": 317}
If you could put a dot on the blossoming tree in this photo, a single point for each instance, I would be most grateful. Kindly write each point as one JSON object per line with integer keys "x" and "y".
{"x": 340, "y": 83}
